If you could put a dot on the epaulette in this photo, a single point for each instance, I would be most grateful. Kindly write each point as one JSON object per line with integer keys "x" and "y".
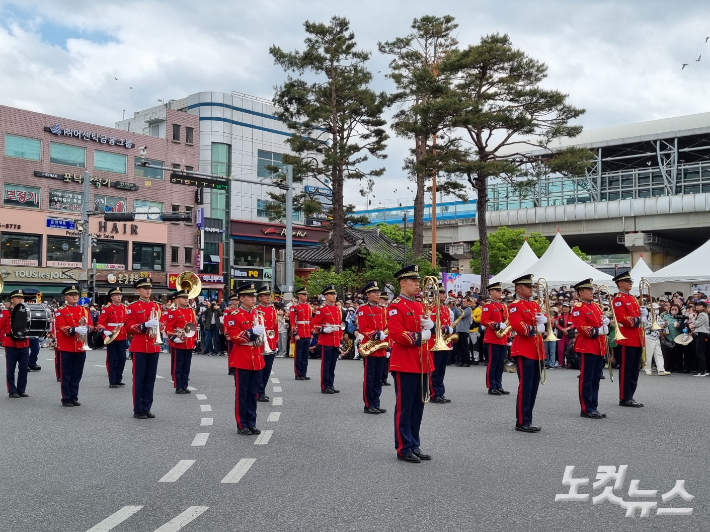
{"x": 63, "y": 306}
{"x": 515, "y": 301}
{"x": 133, "y": 302}
{"x": 578, "y": 304}
{"x": 395, "y": 300}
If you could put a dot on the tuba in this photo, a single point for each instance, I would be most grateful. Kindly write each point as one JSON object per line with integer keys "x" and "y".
{"x": 191, "y": 282}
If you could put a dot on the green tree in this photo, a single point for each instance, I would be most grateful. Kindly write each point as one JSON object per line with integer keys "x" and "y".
{"x": 335, "y": 118}
{"x": 393, "y": 232}
{"x": 505, "y": 113}
{"x": 381, "y": 267}
{"x": 581, "y": 254}
{"x": 345, "y": 281}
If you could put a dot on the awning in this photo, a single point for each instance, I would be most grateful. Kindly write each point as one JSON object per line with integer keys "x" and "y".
{"x": 213, "y": 259}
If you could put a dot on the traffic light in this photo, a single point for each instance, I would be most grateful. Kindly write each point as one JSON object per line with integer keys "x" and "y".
{"x": 94, "y": 239}
{"x": 176, "y": 217}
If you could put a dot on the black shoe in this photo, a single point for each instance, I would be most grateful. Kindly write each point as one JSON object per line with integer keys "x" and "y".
{"x": 299, "y": 378}
{"x": 593, "y": 415}
{"x": 535, "y": 429}
{"x": 335, "y": 391}
{"x": 466, "y": 365}
{"x": 603, "y": 377}
{"x": 15, "y": 395}
{"x": 35, "y": 368}
{"x": 263, "y": 398}
{"x": 67, "y": 404}
{"x": 113, "y": 385}
{"x": 386, "y": 383}
{"x": 475, "y": 363}
{"x": 371, "y": 410}
{"x": 382, "y": 410}
{"x": 130, "y": 357}
{"x": 150, "y": 415}
{"x": 121, "y": 384}
{"x": 421, "y": 455}
{"x": 185, "y": 390}
{"x": 411, "y": 458}
{"x": 254, "y": 430}
{"x": 503, "y": 392}
{"x": 329, "y": 390}
{"x": 458, "y": 364}
{"x": 437, "y": 400}
{"x": 179, "y": 391}
{"x": 631, "y": 403}
{"x": 306, "y": 378}
{"x": 23, "y": 394}
{"x": 140, "y": 415}
{"x": 59, "y": 380}
{"x": 76, "y": 403}
{"x": 244, "y": 432}
{"x": 231, "y": 371}
{"x": 493, "y": 391}
{"x": 525, "y": 428}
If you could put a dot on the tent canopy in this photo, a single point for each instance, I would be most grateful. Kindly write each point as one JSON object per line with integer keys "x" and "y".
{"x": 692, "y": 268}
{"x": 638, "y": 272}
{"x": 523, "y": 260}
{"x": 560, "y": 266}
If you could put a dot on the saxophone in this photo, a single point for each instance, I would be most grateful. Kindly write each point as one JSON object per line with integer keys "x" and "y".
{"x": 454, "y": 337}
{"x": 367, "y": 348}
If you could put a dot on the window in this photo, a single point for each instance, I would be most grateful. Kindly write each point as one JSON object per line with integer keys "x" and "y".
{"x": 189, "y": 135}
{"x": 148, "y": 257}
{"x": 176, "y": 132}
{"x": 267, "y": 158}
{"x": 218, "y": 203}
{"x": 23, "y": 147}
{"x": 64, "y": 200}
{"x": 174, "y": 255}
{"x": 249, "y": 254}
{"x": 110, "y": 254}
{"x": 189, "y": 168}
{"x": 110, "y": 204}
{"x": 148, "y": 210}
{"x": 63, "y": 252}
{"x": 68, "y": 155}
{"x": 188, "y": 210}
{"x": 176, "y": 166}
{"x": 149, "y": 173}
{"x": 175, "y": 210}
{"x": 18, "y": 249}
{"x": 109, "y": 162}
{"x": 221, "y": 159}
{"x": 20, "y": 196}
{"x": 188, "y": 256}
{"x": 261, "y": 206}
{"x": 155, "y": 130}
{"x": 211, "y": 252}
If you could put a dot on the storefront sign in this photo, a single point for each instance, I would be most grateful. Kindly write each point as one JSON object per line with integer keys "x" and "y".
{"x": 213, "y": 230}
{"x": 103, "y": 266}
{"x": 110, "y": 204}
{"x": 205, "y": 278}
{"x": 10, "y": 226}
{"x": 97, "y": 182}
{"x": 199, "y": 263}
{"x": 308, "y": 189}
{"x": 60, "y": 131}
{"x": 147, "y": 210}
{"x": 115, "y": 228}
{"x": 63, "y": 264}
{"x": 194, "y": 181}
{"x": 67, "y": 225}
{"x": 242, "y": 230}
{"x": 19, "y": 262}
{"x": 64, "y": 200}
{"x": 19, "y": 196}
{"x": 42, "y": 275}
{"x": 248, "y": 274}
{"x": 131, "y": 276}
{"x": 200, "y": 218}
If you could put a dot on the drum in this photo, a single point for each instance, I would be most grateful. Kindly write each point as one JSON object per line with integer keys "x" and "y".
{"x": 39, "y": 321}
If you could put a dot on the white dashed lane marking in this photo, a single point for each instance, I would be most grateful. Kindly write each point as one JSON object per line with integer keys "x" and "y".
{"x": 205, "y": 408}
{"x": 50, "y": 359}
{"x": 277, "y": 389}
{"x": 177, "y": 471}
{"x": 206, "y": 421}
{"x": 264, "y": 437}
{"x": 236, "y": 474}
{"x": 200, "y": 396}
{"x": 278, "y": 401}
{"x": 115, "y": 519}
{"x": 273, "y": 416}
{"x": 275, "y": 381}
{"x": 191, "y": 388}
{"x": 200, "y": 439}
{"x": 99, "y": 366}
{"x": 175, "y": 524}
{"x": 160, "y": 377}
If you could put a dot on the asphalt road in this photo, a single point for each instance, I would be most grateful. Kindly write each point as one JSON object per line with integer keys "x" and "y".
{"x": 328, "y": 466}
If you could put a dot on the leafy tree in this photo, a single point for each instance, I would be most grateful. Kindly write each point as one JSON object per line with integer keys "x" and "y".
{"x": 381, "y": 267}
{"x": 335, "y": 118}
{"x": 345, "y": 281}
{"x": 393, "y": 232}
{"x": 581, "y": 254}
{"x": 504, "y": 113}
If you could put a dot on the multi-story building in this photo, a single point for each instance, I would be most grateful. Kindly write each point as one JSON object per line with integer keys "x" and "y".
{"x": 239, "y": 137}
{"x": 41, "y": 173}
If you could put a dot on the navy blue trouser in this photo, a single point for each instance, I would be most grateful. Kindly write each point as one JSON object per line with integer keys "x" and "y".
{"x": 211, "y": 339}
{"x": 16, "y": 357}
{"x": 265, "y": 374}
{"x": 528, "y": 382}
{"x": 246, "y": 383}
{"x": 329, "y": 356}
{"x": 145, "y": 367}
{"x": 437, "y": 376}
{"x": 591, "y": 368}
{"x": 300, "y": 357}
{"x": 408, "y": 410}
{"x": 385, "y": 370}
{"x": 70, "y": 371}
{"x": 496, "y": 361}
{"x": 34, "y": 352}
{"x": 116, "y": 360}
{"x": 372, "y": 382}
{"x": 57, "y": 364}
{"x": 182, "y": 360}
{"x": 629, "y": 359}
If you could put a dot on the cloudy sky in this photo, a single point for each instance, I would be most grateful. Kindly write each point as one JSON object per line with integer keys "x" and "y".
{"x": 620, "y": 60}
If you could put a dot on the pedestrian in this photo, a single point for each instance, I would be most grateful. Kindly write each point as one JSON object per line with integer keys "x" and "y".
{"x": 653, "y": 343}
{"x": 212, "y": 315}
{"x": 73, "y": 326}
{"x": 701, "y": 325}
{"x": 17, "y": 352}
{"x": 474, "y": 332}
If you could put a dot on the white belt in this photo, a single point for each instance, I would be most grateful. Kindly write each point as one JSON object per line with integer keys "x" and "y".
{"x": 115, "y": 324}
{"x": 303, "y": 323}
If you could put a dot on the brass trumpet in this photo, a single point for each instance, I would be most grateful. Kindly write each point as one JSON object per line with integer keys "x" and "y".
{"x": 155, "y": 331}
{"x": 83, "y": 322}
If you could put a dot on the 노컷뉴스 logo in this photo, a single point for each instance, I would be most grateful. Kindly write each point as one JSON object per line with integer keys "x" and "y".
{"x": 608, "y": 474}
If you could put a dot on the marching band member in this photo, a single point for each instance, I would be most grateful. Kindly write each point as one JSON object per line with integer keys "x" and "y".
{"x": 592, "y": 330}
{"x": 327, "y": 323}
{"x": 440, "y": 358}
{"x": 384, "y": 303}
{"x": 233, "y": 308}
{"x": 181, "y": 346}
{"x": 630, "y": 317}
{"x": 371, "y": 323}
{"x": 17, "y": 352}
{"x": 528, "y": 322}
{"x": 246, "y": 357}
{"x": 300, "y": 317}
{"x": 494, "y": 317}
{"x": 272, "y": 339}
{"x": 410, "y": 363}
{"x": 113, "y": 315}
{"x": 72, "y": 325}
{"x": 143, "y": 320}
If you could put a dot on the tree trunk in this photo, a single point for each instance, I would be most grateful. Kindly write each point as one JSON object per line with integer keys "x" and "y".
{"x": 338, "y": 229}
{"x": 481, "y": 209}
{"x": 418, "y": 225}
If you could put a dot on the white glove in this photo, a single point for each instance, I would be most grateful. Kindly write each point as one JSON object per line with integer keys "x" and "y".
{"x": 426, "y": 334}
{"x": 81, "y": 329}
{"x": 541, "y": 318}
{"x": 152, "y": 324}
{"x": 381, "y": 335}
{"x": 427, "y": 323}
{"x": 605, "y": 329}
{"x": 605, "y": 321}
{"x": 541, "y": 327}
{"x": 327, "y": 330}
{"x": 258, "y": 330}
{"x": 108, "y": 333}
{"x": 501, "y": 326}
{"x": 178, "y": 340}
{"x": 359, "y": 338}
{"x": 644, "y": 313}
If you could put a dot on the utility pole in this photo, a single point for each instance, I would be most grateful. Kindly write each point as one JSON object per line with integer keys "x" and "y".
{"x": 288, "y": 262}
{"x": 273, "y": 270}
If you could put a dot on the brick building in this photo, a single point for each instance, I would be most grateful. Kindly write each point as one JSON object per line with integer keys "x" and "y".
{"x": 41, "y": 173}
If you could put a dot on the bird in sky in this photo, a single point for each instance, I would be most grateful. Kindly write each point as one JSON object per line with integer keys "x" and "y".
{"x": 698, "y": 59}
{"x": 115, "y": 78}
{"x": 130, "y": 87}
{"x": 684, "y": 65}
{"x": 706, "y": 39}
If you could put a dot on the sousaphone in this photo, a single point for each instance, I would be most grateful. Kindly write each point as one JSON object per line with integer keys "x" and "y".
{"x": 191, "y": 282}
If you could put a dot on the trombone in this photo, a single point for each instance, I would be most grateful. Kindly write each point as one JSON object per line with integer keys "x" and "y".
{"x": 599, "y": 290}
{"x": 430, "y": 299}
{"x": 544, "y": 304}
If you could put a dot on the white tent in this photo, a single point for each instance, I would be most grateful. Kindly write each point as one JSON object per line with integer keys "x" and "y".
{"x": 561, "y": 267}
{"x": 523, "y": 260}
{"x": 683, "y": 273}
{"x": 641, "y": 270}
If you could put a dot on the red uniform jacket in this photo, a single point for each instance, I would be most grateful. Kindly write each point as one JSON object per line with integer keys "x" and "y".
{"x": 176, "y": 319}
{"x": 271, "y": 325}
{"x": 5, "y": 329}
{"x": 111, "y": 317}
{"x": 300, "y": 317}
{"x": 527, "y": 342}
{"x": 491, "y": 315}
{"x": 328, "y": 315}
{"x": 404, "y": 322}
{"x": 137, "y": 314}
{"x": 628, "y": 314}
{"x": 244, "y": 354}
{"x": 65, "y": 320}
{"x": 371, "y": 320}
{"x": 587, "y": 319}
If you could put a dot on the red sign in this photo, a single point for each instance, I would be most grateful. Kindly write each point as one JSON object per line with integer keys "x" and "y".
{"x": 277, "y": 232}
